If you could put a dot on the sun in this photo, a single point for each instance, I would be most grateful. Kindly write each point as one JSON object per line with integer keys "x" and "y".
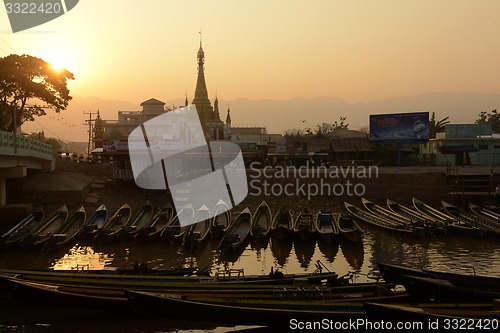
{"x": 58, "y": 60}
{"x": 57, "y": 64}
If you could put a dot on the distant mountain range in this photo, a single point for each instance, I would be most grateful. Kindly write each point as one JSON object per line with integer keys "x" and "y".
{"x": 297, "y": 113}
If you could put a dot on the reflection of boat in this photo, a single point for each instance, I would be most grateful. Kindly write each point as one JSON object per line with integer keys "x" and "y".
{"x": 69, "y": 231}
{"x": 281, "y": 248}
{"x": 46, "y": 229}
{"x": 282, "y": 225}
{"x": 329, "y": 250}
{"x": 325, "y": 226}
{"x": 21, "y": 229}
{"x": 261, "y": 222}
{"x": 237, "y": 233}
{"x": 95, "y": 222}
{"x": 221, "y": 220}
{"x": 347, "y": 227}
{"x": 199, "y": 231}
{"x": 353, "y": 253}
{"x": 473, "y": 220}
{"x": 114, "y": 224}
{"x": 304, "y": 250}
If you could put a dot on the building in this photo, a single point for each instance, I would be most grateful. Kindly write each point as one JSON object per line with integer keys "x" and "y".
{"x": 209, "y": 116}
{"x": 460, "y": 142}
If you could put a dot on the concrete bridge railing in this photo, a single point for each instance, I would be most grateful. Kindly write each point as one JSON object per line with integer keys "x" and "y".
{"x": 26, "y": 146}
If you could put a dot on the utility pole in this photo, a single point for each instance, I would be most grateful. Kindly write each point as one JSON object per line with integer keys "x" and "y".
{"x": 89, "y": 121}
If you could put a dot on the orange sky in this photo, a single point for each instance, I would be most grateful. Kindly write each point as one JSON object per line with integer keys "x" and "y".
{"x": 355, "y": 50}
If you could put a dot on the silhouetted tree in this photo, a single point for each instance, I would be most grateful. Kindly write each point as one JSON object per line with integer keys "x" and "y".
{"x": 436, "y": 126}
{"x": 491, "y": 117}
{"x": 26, "y": 79}
{"x": 327, "y": 128}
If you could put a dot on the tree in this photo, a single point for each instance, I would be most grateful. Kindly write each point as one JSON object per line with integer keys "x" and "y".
{"x": 26, "y": 79}
{"x": 436, "y": 126}
{"x": 491, "y": 117}
{"x": 327, "y": 128}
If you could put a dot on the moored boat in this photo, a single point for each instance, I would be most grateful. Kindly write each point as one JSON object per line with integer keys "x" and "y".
{"x": 173, "y": 231}
{"x": 94, "y": 223}
{"x": 114, "y": 224}
{"x": 140, "y": 221}
{"x": 221, "y": 220}
{"x": 452, "y": 224}
{"x": 375, "y": 220}
{"x": 47, "y": 228}
{"x": 347, "y": 227}
{"x": 199, "y": 231}
{"x": 326, "y": 227}
{"x": 261, "y": 222}
{"x": 304, "y": 227}
{"x": 157, "y": 224}
{"x": 432, "y": 225}
{"x": 68, "y": 233}
{"x": 237, "y": 233}
{"x": 21, "y": 229}
{"x": 282, "y": 224}
{"x": 479, "y": 222}
{"x": 484, "y": 212}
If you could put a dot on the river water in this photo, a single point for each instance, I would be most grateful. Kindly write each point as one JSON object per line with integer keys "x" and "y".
{"x": 446, "y": 253}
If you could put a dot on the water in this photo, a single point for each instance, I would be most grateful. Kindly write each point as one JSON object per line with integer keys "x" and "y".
{"x": 446, "y": 253}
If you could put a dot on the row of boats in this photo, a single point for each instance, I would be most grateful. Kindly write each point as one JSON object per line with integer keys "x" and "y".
{"x": 423, "y": 219}
{"x": 62, "y": 228}
{"x": 232, "y": 298}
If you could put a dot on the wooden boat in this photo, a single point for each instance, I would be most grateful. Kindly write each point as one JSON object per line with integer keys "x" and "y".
{"x": 140, "y": 221}
{"x": 169, "y": 306}
{"x": 198, "y": 232}
{"x": 432, "y": 226}
{"x": 156, "y": 226}
{"x": 221, "y": 220}
{"x": 431, "y": 312}
{"x": 282, "y": 224}
{"x": 261, "y": 222}
{"x": 21, "y": 229}
{"x": 447, "y": 290}
{"x": 479, "y": 222}
{"x": 173, "y": 231}
{"x": 326, "y": 227}
{"x": 46, "y": 229}
{"x": 95, "y": 222}
{"x": 304, "y": 226}
{"x": 389, "y": 216}
{"x": 347, "y": 227}
{"x": 69, "y": 232}
{"x": 114, "y": 224}
{"x": 222, "y": 280}
{"x": 452, "y": 224}
{"x": 394, "y": 273}
{"x": 237, "y": 233}
{"x": 483, "y": 212}
{"x": 377, "y": 221}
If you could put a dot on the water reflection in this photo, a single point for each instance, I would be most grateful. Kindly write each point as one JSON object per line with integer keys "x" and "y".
{"x": 446, "y": 253}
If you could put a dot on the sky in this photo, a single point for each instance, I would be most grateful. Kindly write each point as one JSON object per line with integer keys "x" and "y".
{"x": 359, "y": 51}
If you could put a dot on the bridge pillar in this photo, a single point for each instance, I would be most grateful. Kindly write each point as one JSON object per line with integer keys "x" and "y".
{"x": 15, "y": 172}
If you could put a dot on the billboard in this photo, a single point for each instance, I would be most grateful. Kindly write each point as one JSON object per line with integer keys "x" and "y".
{"x": 399, "y": 127}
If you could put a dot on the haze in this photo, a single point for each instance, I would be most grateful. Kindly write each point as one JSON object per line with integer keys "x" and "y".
{"x": 356, "y": 53}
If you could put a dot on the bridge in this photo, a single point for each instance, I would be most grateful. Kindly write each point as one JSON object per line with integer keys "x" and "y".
{"x": 18, "y": 154}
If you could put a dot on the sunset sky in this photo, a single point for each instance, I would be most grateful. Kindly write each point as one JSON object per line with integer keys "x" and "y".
{"x": 358, "y": 51}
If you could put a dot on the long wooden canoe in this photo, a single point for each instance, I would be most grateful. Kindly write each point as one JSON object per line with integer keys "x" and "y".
{"x": 479, "y": 222}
